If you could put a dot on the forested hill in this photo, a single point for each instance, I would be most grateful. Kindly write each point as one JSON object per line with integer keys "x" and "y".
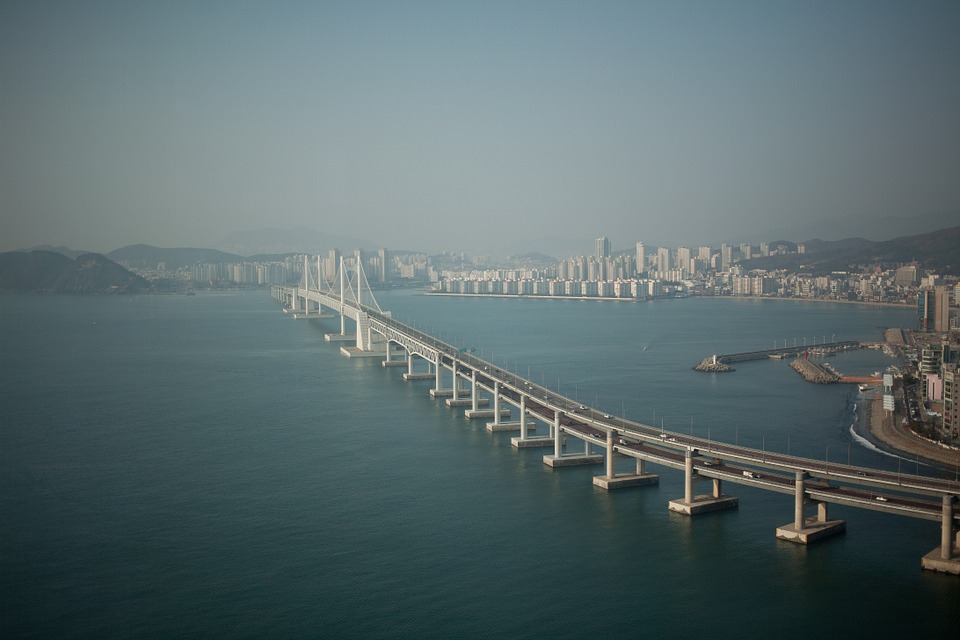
{"x": 145, "y": 255}
{"x": 49, "y": 272}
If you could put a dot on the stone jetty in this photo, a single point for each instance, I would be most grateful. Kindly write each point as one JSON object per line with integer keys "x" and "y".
{"x": 713, "y": 365}
{"x": 812, "y": 372}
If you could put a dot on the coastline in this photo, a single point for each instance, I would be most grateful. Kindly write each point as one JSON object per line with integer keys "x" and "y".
{"x": 531, "y": 296}
{"x": 883, "y": 428}
{"x": 875, "y": 303}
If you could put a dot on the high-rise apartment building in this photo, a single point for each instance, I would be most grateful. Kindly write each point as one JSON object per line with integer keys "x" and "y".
{"x": 332, "y": 264}
{"x": 933, "y": 309}
{"x": 641, "y": 259}
{"x": 663, "y": 259}
{"x": 595, "y": 270}
{"x": 726, "y": 257}
{"x": 601, "y": 254}
{"x": 683, "y": 259}
{"x": 906, "y": 276}
{"x": 384, "y": 265}
{"x": 925, "y": 303}
{"x": 602, "y": 249}
{"x": 941, "y": 311}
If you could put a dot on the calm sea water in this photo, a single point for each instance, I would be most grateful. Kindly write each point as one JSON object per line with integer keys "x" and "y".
{"x": 206, "y": 466}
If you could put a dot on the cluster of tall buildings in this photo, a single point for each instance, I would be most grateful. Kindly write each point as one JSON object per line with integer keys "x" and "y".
{"x": 640, "y": 274}
{"x": 939, "y": 371}
{"x": 933, "y": 307}
{"x": 240, "y": 273}
{"x": 664, "y": 263}
{"x": 380, "y": 267}
{"x": 938, "y": 366}
{"x": 376, "y": 266}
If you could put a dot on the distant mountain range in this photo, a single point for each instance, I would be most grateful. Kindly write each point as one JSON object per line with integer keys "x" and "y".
{"x": 62, "y": 250}
{"x": 145, "y": 256}
{"x": 50, "y": 272}
{"x": 283, "y": 241}
{"x": 871, "y": 227}
{"x": 938, "y": 251}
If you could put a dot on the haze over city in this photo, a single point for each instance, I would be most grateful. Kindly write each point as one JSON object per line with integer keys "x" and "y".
{"x": 432, "y": 125}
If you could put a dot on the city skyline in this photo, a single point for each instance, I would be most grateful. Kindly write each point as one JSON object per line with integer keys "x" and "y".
{"x": 434, "y": 126}
{"x": 310, "y": 241}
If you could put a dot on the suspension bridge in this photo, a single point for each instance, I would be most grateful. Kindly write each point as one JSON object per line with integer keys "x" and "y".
{"x": 485, "y": 391}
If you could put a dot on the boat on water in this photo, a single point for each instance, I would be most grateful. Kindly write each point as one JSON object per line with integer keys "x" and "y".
{"x": 863, "y": 387}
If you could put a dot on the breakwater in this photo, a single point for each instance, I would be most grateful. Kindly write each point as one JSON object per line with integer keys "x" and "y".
{"x": 812, "y": 372}
{"x": 721, "y": 363}
{"x": 712, "y": 365}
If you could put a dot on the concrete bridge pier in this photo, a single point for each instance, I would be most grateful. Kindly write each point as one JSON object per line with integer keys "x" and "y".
{"x": 343, "y": 336}
{"x": 390, "y": 361}
{"x": 805, "y": 530}
{"x": 308, "y": 313}
{"x": 946, "y": 557}
{"x": 496, "y": 413}
{"x": 366, "y": 344}
{"x": 474, "y": 401}
{"x": 613, "y": 481}
{"x": 473, "y": 389}
{"x": 438, "y": 390}
{"x": 558, "y": 459}
{"x": 524, "y": 441}
{"x": 455, "y": 380}
{"x": 692, "y": 504}
{"x": 717, "y": 487}
{"x": 323, "y": 314}
{"x": 305, "y": 311}
{"x": 412, "y": 375}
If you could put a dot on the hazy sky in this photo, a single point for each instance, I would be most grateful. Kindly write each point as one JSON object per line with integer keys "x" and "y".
{"x": 422, "y": 125}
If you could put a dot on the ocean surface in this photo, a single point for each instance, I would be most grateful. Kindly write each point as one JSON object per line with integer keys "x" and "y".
{"x": 206, "y": 466}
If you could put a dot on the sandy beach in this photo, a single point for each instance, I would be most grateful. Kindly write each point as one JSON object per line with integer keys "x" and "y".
{"x": 887, "y": 429}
